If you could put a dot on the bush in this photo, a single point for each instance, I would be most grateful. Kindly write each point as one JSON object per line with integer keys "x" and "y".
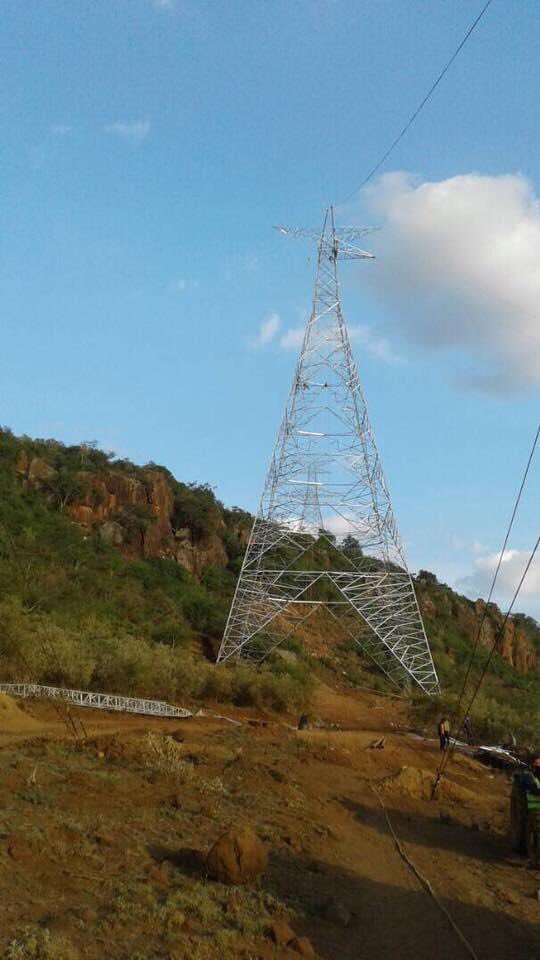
{"x": 196, "y": 508}
{"x": 267, "y": 687}
{"x": 491, "y": 720}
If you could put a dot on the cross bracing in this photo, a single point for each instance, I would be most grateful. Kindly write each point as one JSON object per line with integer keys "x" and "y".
{"x": 325, "y": 533}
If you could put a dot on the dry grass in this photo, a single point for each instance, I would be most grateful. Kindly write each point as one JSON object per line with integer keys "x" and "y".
{"x": 218, "y": 918}
{"x": 39, "y": 944}
{"x": 165, "y": 756}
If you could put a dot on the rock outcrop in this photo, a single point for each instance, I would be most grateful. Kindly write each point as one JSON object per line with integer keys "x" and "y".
{"x": 135, "y": 514}
{"x": 440, "y": 605}
{"x": 130, "y": 513}
{"x": 514, "y": 646}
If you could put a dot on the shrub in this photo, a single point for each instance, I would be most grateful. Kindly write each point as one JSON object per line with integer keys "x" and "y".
{"x": 196, "y": 508}
{"x": 492, "y": 721}
{"x": 164, "y": 755}
{"x": 36, "y": 943}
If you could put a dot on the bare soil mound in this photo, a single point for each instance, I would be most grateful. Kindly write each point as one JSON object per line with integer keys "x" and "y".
{"x": 410, "y": 782}
{"x": 14, "y": 719}
{"x": 417, "y": 783}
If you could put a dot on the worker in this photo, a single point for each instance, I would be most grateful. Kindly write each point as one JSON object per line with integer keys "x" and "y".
{"x": 443, "y": 730}
{"x": 467, "y": 730}
{"x": 303, "y": 722}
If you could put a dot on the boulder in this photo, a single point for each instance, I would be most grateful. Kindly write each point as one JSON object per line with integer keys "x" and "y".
{"x": 237, "y": 857}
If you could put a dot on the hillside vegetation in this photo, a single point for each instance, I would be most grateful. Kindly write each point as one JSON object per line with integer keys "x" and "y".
{"x": 75, "y": 610}
{"x": 118, "y": 577}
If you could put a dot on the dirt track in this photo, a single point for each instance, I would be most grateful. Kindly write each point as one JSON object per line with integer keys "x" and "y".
{"x": 81, "y": 846}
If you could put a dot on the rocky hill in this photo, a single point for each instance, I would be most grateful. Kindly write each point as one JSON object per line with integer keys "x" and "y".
{"x": 453, "y": 620}
{"x": 89, "y": 539}
{"x": 143, "y": 512}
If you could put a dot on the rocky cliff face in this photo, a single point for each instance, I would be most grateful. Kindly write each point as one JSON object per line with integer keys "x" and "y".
{"x": 135, "y": 514}
{"x": 440, "y": 606}
{"x": 515, "y": 647}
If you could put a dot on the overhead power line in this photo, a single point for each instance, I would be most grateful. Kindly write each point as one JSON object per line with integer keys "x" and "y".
{"x": 500, "y": 632}
{"x": 457, "y": 710}
{"x": 421, "y": 105}
{"x": 495, "y": 575}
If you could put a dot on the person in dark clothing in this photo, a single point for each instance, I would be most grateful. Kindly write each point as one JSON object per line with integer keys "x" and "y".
{"x": 443, "y": 730}
{"x": 467, "y": 730}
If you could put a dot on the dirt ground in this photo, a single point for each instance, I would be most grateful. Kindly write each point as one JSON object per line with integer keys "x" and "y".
{"x": 102, "y": 842}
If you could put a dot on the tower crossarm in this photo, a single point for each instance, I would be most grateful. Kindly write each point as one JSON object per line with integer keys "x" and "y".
{"x": 338, "y": 243}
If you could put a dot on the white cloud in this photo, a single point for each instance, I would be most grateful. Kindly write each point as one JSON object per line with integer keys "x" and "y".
{"x": 134, "y": 132}
{"x": 458, "y": 261}
{"x": 267, "y": 331}
{"x": 337, "y": 524}
{"x": 184, "y": 8}
{"x": 378, "y": 347}
{"x": 478, "y": 583}
{"x": 469, "y": 546}
{"x": 342, "y": 525}
{"x": 181, "y": 284}
{"x": 60, "y": 129}
{"x": 292, "y": 338}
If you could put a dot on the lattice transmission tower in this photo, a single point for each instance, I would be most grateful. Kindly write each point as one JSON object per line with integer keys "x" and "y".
{"x": 325, "y": 535}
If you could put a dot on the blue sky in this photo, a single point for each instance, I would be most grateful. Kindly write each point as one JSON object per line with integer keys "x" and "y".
{"x": 147, "y": 149}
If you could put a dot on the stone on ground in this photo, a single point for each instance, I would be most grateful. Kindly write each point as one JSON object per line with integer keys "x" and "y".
{"x": 237, "y": 857}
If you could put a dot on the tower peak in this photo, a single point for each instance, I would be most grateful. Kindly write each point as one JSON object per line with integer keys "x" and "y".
{"x": 338, "y": 243}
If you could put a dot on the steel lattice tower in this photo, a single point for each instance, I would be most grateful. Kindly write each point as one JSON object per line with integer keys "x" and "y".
{"x": 325, "y": 533}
